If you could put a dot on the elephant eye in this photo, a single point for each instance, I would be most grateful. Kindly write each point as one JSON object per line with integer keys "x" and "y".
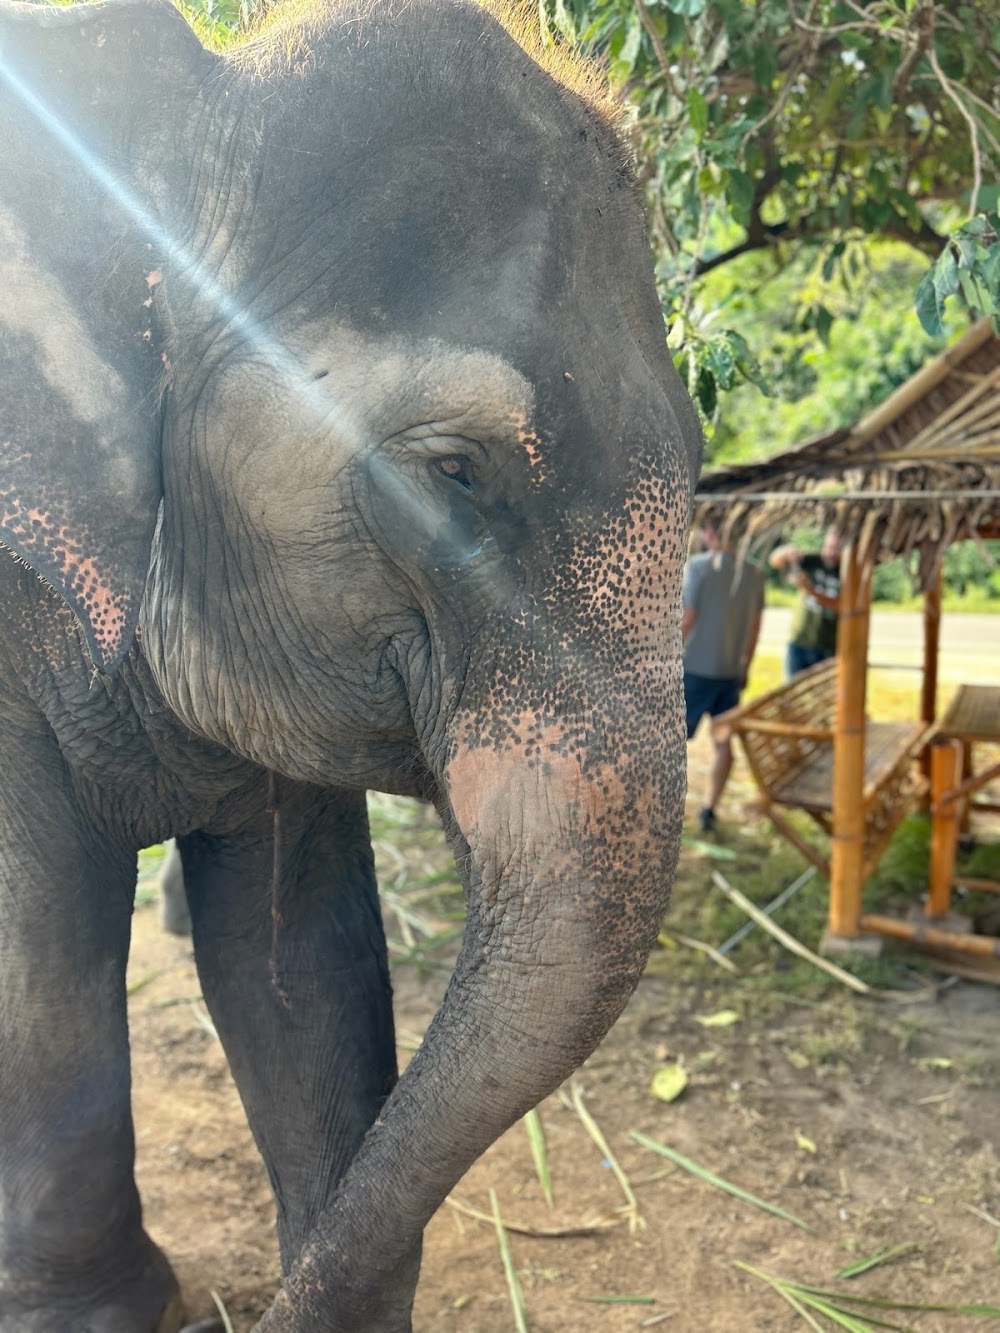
{"x": 455, "y": 468}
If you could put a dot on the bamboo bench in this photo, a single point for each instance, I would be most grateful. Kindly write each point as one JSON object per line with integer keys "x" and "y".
{"x": 787, "y": 735}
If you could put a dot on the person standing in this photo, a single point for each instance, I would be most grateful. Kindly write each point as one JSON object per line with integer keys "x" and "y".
{"x": 723, "y": 601}
{"x": 814, "y": 624}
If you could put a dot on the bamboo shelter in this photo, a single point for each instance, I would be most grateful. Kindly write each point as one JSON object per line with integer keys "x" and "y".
{"x": 922, "y": 470}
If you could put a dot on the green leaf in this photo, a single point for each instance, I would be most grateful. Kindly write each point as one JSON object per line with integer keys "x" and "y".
{"x": 687, "y": 8}
{"x": 723, "y": 1018}
{"x": 975, "y": 291}
{"x": 906, "y": 206}
{"x": 706, "y": 391}
{"x": 536, "y": 1138}
{"x": 709, "y": 849}
{"x": 668, "y": 1082}
{"x": 883, "y": 90}
{"x": 510, "y": 1272}
{"x": 697, "y": 111}
{"x": 618, "y": 1300}
{"x": 739, "y": 192}
{"x": 876, "y": 1260}
{"x": 977, "y": 226}
{"x": 823, "y": 322}
{"x": 710, "y": 1178}
{"x": 938, "y": 283}
{"x": 563, "y": 21}
{"x": 764, "y": 63}
{"x": 719, "y": 360}
{"x": 623, "y": 63}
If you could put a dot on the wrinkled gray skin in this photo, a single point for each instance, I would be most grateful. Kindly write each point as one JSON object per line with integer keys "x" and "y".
{"x": 339, "y": 449}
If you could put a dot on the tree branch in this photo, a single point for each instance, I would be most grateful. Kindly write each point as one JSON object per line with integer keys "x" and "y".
{"x": 925, "y": 239}
{"x": 760, "y": 240}
{"x": 923, "y": 29}
{"x": 662, "y": 59}
{"x": 977, "y": 164}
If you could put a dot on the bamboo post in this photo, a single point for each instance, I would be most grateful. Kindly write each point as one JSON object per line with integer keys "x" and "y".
{"x": 932, "y": 641}
{"x": 944, "y": 826}
{"x": 965, "y": 812}
{"x": 848, "y": 844}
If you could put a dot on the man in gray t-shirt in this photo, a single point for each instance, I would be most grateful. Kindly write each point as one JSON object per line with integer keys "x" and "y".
{"x": 723, "y": 603}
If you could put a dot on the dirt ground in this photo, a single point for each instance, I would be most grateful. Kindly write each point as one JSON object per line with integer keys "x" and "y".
{"x": 875, "y": 1124}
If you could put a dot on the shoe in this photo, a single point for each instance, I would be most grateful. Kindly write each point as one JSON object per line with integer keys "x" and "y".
{"x": 706, "y": 820}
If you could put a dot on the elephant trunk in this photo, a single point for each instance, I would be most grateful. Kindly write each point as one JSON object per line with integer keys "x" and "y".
{"x": 571, "y": 847}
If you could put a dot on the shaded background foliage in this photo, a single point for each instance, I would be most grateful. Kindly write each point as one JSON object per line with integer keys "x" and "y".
{"x": 803, "y": 161}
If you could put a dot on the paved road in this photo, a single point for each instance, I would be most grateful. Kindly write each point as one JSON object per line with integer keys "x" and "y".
{"x": 970, "y": 644}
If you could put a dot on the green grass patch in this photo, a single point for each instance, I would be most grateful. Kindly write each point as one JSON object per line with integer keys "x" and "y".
{"x": 718, "y": 1182}
{"x": 855, "y": 1312}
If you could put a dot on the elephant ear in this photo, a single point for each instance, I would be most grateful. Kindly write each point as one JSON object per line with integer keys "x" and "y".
{"x": 93, "y": 99}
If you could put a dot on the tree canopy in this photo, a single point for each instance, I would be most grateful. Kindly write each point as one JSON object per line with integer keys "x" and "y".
{"x": 802, "y": 129}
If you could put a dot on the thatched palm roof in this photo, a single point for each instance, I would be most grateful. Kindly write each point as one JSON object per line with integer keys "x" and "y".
{"x": 918, "y": 472}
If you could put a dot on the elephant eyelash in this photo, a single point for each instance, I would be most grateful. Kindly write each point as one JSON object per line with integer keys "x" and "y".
{"x": 455, "y": 468}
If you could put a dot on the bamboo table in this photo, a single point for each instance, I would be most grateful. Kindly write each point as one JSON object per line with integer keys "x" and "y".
{"x": 973, "y": 717}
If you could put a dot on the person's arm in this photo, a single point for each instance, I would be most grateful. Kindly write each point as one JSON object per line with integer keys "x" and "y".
{"x": 804, "y": 582}
{"x": 753, "y": 634}
{"x": 751, "y": 647}
{"x": 828, "y": 603}
{"x": 784, "y": 557}
{"x": 689, "y": 616}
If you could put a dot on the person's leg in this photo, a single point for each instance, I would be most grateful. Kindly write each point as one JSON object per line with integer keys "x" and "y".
{"x": 694, "y": 701}
{"x": 726, "y": 695}
{"x": 719, "y": 770}
{"x": 798, "y": 659}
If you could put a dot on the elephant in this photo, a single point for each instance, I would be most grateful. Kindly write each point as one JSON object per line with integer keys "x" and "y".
{"x": 341, "y": 449}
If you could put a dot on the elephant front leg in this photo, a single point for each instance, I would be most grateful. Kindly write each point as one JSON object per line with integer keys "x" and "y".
{"x": 73, "y": 1253}
{"x": 295, "y": 975}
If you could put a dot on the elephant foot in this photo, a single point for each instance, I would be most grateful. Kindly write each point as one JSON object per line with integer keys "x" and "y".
{"x": 147, "y": 1302}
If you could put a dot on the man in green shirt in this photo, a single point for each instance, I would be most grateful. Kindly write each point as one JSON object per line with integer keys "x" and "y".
{"x": 814, "y": 625}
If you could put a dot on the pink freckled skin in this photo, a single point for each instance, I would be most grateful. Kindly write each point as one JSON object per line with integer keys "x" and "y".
{"x": 634, "y": 581}
{"x": 55, "y": 551}
{"x": 103, "y": 610}
{"x": 528, "y": 439}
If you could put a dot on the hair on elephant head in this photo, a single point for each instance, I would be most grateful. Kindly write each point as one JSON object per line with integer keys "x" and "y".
{"x": 337, "y": 420}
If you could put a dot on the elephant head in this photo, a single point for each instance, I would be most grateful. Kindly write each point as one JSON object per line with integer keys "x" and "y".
{"x": 348, "y": 386}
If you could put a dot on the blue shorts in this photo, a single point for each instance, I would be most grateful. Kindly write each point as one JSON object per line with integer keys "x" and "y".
{"x": 706, "y": 694}
{"x": 799, "y": 659}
